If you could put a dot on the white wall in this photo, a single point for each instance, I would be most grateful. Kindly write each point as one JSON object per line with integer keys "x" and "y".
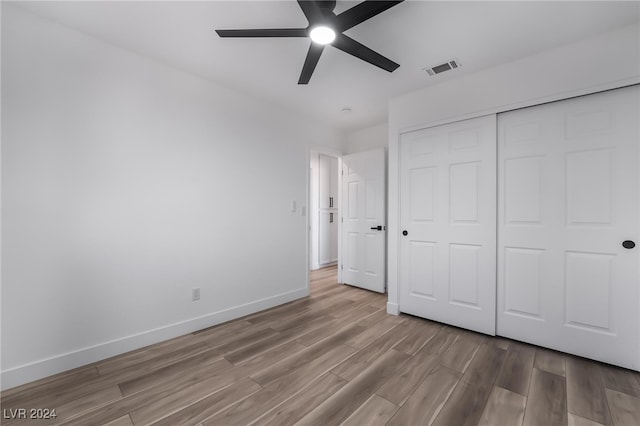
{"x": 607, "y": 61}
{"x": 125, "y": 184}
{"x": 366, "y": 139}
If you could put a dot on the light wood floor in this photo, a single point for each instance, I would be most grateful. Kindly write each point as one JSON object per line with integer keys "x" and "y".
{"x": 336, "y": 358}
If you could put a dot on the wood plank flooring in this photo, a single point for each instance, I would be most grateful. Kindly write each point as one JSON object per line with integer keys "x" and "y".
{"x": 335, "y": 358}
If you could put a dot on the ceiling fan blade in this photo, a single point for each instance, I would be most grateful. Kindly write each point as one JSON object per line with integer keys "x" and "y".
{"x": 310, "y": 10}
{"x": 361, "y": 12}
{"x": 267, "y": 32}
{"x": 313, "y": 55}
{"x": 352, "y": 47}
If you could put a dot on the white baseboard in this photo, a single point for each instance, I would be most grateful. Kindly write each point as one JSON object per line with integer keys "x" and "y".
{"x": 393, "y": 308}
{"x": 37, "y": 370}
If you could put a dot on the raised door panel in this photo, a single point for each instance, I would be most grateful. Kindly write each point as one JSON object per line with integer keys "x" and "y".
{"x": 589, "y": 179}
{"x": 352, "y": 190}
{"x": 464, "y": 272}
{"x": 421, "y": 269}
{"x": 588, "y": 283}
{"x": 422, "y": 191}
{"x": 523, "y": 278}
{"x": 351, "y": 260}
{"x": 463, "y": 181}
{"x": 523, "y": 190}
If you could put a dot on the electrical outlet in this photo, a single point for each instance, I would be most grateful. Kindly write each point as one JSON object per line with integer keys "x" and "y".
{"x": 195, "y": 294}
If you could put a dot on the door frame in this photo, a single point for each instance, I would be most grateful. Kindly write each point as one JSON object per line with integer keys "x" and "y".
{"x": 337, "y": 154}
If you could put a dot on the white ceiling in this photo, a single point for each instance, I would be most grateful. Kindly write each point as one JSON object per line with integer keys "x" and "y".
{"x": 415, "y": 34}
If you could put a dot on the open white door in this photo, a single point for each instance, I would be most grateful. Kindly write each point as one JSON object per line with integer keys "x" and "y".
{"x": 448, "y": 223}
{"x": 364, "y": 225}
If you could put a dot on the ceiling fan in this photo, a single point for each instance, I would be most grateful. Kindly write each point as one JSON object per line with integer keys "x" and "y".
{"x": 325, "y": 27}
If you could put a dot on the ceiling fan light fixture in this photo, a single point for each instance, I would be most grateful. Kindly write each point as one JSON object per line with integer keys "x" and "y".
{"x": 326, "y": 27}
{"x": 322, "y": 34}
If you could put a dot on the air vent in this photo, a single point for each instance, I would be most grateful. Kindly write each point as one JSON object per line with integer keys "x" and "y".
{"x": 447, "y": 66}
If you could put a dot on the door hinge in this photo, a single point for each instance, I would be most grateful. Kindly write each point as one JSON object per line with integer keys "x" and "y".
{"x": 341, "y": 268}
{"x": 342, "y": 219}
{"x": 342, "y": 172}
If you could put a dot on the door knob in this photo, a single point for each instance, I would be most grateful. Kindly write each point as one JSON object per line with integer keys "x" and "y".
{"x": 405, "y": 233}
{"x": 377, "y": 228}
{"x": 628, "y": 244}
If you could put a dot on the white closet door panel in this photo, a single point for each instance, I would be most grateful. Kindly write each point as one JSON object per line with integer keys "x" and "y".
{"x": 324, "y": 231}
{"x": 324, "y": 181}
{"x": 333, "y": 226}
{"x": 448, "y": 208}
{"x": 328, "y": 182}
{"x": 333, "y": 185}
{"x": 568, "y": 197}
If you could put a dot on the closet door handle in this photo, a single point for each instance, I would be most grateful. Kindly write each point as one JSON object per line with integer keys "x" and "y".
{"x": 330, "y": 201}
{"x": 628, "y": 244}
{"x": 330, "y": 217}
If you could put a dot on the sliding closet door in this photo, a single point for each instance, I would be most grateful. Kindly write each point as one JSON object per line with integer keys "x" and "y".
{"x": 448, "y": 222}
{"x": 568, "y": 276}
